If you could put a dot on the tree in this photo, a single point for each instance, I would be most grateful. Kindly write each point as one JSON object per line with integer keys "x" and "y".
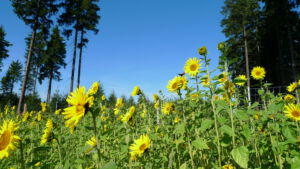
{"x": 4, "y": 44}
{"x": 54, "y": 60}
{"x": 38, "y": 52}
{"x": 240, "y": 27}
{"x": 37, "y": 14}
{"x": 112, "y": 99}
{"x": 87, "y": 22}
{"x": 80, "y": 16}
{"x": 13, "y": 76}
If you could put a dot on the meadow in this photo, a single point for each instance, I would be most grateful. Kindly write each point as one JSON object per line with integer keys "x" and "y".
{"x": 210, "y": 123}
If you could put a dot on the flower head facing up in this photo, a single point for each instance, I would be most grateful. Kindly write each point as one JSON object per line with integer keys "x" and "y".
{"x": 202, "y": 50}
{"x": 79, "y": 103}
{"x": 292, "y": 111}
{"x": 292, "y": 87}
{"x": 192, "y": 66}
{"x": 258, "y": 73}
{"x": 136, "y": 91}
{"x": 8, "y": 139}
{"x": 242, "y": 79}
{"x": 94, "y": 88}
{"x": 168, "y": 107}
{"x": 47, "y": 132}
{"x": 44, "y": 106}
{"x": 139, "y": 146}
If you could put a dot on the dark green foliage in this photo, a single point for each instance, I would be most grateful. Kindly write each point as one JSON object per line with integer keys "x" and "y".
{"x": 112, "y": 99}
{"x": 33, "y": 102}
{"x": 273, "y": 35}
{"x": 12, "y": 76}
{"x": 4, "y": 44}
{"x": 58, "y": 101}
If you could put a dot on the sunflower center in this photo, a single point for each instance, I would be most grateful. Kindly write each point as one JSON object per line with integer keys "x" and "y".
{"x": 143, "y": 147}
{"x": 174, "y": 86}
{"x": 5, "y": 139}
{"x": 296, "y": 113}
{"x": 258, "y": 73}
{"x": 79, "y": 109}
{"x": 193, "y": 67}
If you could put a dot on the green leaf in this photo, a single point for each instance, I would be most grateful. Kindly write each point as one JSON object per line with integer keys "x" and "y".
{"x": 228, "y": 130}
{"x": 206, "y": 124}
{"x": 183, "y": 166}
{"x": 110, "y": 165}
{"x": 241, "y": 156}
{"x": 200, "y": 144}
{"x": 289, "y": 134}
{"x": 241, "y": 115}
{"x": 295, "y": 163}
{"x": 180, "y": 128}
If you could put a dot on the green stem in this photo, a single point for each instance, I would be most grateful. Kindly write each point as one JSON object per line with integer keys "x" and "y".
{"x": 22, "y": 155}
{"x": 97, "y": 140}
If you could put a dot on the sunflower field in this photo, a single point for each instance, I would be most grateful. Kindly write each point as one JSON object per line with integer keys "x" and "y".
{"x": 211, "y": 123}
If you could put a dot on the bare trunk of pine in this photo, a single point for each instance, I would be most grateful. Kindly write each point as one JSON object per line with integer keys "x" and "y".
{"x": 21, "y": 99}
{"x": 35, "y": 79}
{"x": 74, "y": 60}
{"x": 247, "y": 64}
{"x": 80, "y": 57}
{"x": 49, "y": 89}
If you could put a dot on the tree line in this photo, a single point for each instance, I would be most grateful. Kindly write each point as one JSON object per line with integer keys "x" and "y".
{"x": 52, "y": 22}
{"x": 263, "y": 33}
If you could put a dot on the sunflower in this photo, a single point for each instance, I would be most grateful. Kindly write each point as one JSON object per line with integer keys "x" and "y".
{"x": 156, "y": 105}
{"x": 182, "y": 82}
{"x": 241, "y": 80}
{"x": 44, "y": 106}
{"x": 139, "y": 146}
{"x": 289, "y": 98}
{"x": 292, "y": 111}
{"x": 47, "y": 132}
{"x": 92, "y": 142}
{"x": 119, "y": 103}
{"x": 221, "y": 46}
{"x": 258, "y": 73}
{"x": 116, "y": 111}
{"x": 58, "y": 111}
{"x": 205, "y": 81}
{"x": 26, "y": 116}
{"x": 292, "y": 87}
{"x": 128, "y": 115}
{"x": 168, "y": 107}
{"x": 80, "y": 102}
{"x": 202, "y": 50}
{"x": 228, "y": 166}
{"x": 103, "y": 98}
{"x": 155, "y": 97}
{"x": 8, "y": 139}
{"x": 136, "y": 91}
{"x": 173, "y": 85}
{"x": 177, "y": 119}
{"x": 94, "y": 88}
{"x": 223, "y": 77}
{"x": 192, "y": 66}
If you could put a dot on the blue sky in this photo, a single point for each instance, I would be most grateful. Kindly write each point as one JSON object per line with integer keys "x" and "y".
{"x": 140, "y": 42}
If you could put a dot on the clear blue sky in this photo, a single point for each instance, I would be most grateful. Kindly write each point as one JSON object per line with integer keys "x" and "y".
{"x": 141, "y": 42}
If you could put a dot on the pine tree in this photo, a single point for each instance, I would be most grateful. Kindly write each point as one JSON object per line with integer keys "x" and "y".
{"x": 12, "y": 76}
{"x": 87, "y": 22}
{"x": 4, "y": 44}
{"x": 37, "y": 14}
{"x": 54, "y": 60}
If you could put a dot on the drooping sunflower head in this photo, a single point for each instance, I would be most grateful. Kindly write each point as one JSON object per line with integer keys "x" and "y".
{"x": 258, "y": 73}
{"x": 8, "y": 139}
{"x": 136, "y": 91}
{"x": 80, "y": 102}
{"x": 292, "y": 111}
{"x": 205, "y": 81}
{"x": 192, "y": 66}
{"x": 94, "y": 88}
{"x": 242, "y": 79}
{"x": 139, "y": 146}
{"x": 202, "y": 50}
{"x": 289, "y": 98}
{"x": 292, "y": 87}
{"x": 168, "y": 107}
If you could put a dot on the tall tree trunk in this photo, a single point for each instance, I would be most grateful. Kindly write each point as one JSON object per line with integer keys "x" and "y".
{"x": 74, "y": 59}
{"x": 35, "y": 79}
{"x": 80, "y": 57}
{"x": 21, "y": 99}
{"x": 247, "y": 64}
{"x": 49, "y": 89}
{"x": 292, "y": 53}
